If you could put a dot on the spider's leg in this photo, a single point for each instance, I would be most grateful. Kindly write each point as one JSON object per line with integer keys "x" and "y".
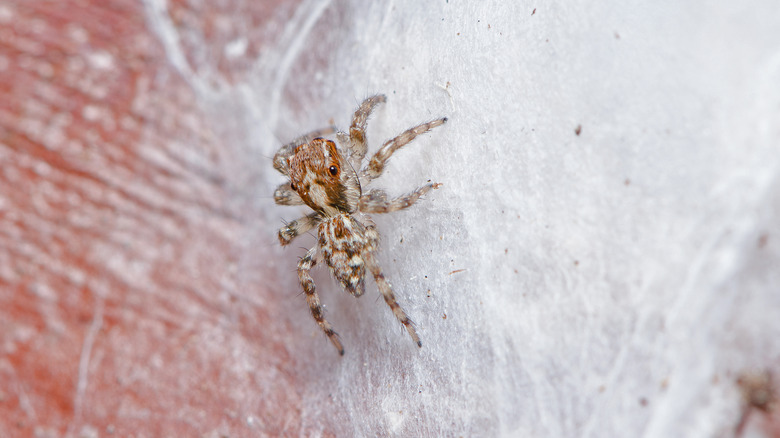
{"x": 357, "y": 130}
{"x": 297, "y": 227}
{"x": 377, "y": 163}
{"x": 376, "y": 200}
{"x": 285, "y": 195}
{"x": 313, "y": 300}
{"x": 387, "y": 291}
{"x": 281, "y": 156}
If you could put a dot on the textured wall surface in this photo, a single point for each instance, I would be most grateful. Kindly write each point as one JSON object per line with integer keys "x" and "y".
{"x": 601, "y": 259}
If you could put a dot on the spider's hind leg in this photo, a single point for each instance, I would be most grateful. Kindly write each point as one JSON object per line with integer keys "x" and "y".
{"x": 387, "y": 292}
{"x": 304, "y": 266}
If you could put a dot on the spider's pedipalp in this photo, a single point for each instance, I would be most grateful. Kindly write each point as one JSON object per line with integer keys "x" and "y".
{"x": 376, "y": 201}
{"x": 285, "y": 195}
{"x": 377, "y": 163}
{"x": 313, "y": 300}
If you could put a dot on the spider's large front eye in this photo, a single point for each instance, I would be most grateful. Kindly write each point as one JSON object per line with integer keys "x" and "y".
{"x": 292, "y": 186}
{"x": 333, "y": 170}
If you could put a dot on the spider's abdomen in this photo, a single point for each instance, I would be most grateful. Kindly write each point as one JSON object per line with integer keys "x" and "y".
{"x": 343, "y": 242}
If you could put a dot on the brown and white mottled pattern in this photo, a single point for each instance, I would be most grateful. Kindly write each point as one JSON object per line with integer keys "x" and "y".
{"x": 325, "y": 178}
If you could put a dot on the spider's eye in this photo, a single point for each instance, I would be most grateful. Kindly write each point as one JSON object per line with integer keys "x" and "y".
{"x": 333, "y": 170}
{"x": 292, "y": 186}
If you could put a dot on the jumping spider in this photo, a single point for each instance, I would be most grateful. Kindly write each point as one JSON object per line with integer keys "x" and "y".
{"x": 325, "y": 178}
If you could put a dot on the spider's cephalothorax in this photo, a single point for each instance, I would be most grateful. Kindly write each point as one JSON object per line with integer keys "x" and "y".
{"x": 326, "y": 179}
{"x": 322, "y": 178}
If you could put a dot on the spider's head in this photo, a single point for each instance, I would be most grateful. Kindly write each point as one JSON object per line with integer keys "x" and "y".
{"x": 323, "y": 178}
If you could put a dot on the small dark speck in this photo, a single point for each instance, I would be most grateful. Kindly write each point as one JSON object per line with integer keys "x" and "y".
{"x": 488, "y": 25}
{"x": 576, "y": 263}
{"x": 506, "y": 250}
{"x": 458, "y": 33}
{"x": 426, "y": 276}
{"x": 763, "y": 240}
{"x": 533, "y": 12}
{"x": 617, "y": 36}
{"x": 627, "y": 182}
{"x": 444, "y": 316}
{"x": 578, "y": 129}
{"x": 643, "y": 402}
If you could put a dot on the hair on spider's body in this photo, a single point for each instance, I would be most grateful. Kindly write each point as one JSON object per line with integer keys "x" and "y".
{"x": 329, "y": 180}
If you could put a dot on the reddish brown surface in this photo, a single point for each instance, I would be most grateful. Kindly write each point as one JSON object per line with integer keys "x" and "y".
{"x": 122, "y": 305}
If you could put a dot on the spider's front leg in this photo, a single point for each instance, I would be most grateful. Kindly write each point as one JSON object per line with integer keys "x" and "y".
{"x": 356, "y": 142}
{"x": 313, "y": 300}
{"x": 286, "y": 151}
{"x": 297, "y": 227}
{"x": 376, "y": 201}
{"x": 377, "y": 163}
{"x": 384, "y": 287}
